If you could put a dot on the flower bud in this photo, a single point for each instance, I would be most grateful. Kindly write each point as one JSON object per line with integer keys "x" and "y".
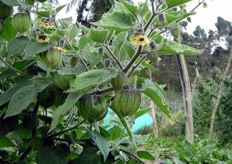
{"x": 161, "y": 17}
{"x": 140, "y": 31}
{"x": 107, "y": 63}
{"x": 100, "y": 51}
{"x": 152, "y": 45}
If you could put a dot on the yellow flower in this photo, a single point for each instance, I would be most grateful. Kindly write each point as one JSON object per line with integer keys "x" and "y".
{"x": 42, "y": 38}
{"x": 59, "y": 48}
{"x": 47, "y": 25}
{"x": 159, "y": 59}
{"x": 140, "y": 40}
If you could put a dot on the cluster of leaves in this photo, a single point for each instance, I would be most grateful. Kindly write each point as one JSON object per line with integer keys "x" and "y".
{"x": 206, "y": 93}
{"x": 48, "y": 69}
{"x": 178, "y": 151}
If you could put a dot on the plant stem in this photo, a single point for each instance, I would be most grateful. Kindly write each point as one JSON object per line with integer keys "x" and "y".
{"x": 134, "y": 67}
{"x": 102, "y": 91}
{"x": 25, "y": 153}
{"x": 134, "y": 58}
{"x": 12, "y": 68}
{"x": 132, "y": 154}
{"x": 82, "y": 61}
{"x": 126, "y": 126}
{"x": 61, "y": 132}
{"x": 111, "y": 53}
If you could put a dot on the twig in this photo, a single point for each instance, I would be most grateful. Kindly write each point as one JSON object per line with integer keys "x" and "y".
{"x": 132, "y": 154}
{"x": 61, "y": 132}
{"x": 82, "y": 61}
{"x": 134, "y": 58}
{"x": 111, "y": 53}
{"x": 134, "y": 67}
{"x": 12, "y": 68}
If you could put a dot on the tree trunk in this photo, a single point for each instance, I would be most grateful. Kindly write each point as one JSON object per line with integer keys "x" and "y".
{"x": 187, "y": 97}
{"x": 186, "y": 91}
{"x": 220, "y": 90}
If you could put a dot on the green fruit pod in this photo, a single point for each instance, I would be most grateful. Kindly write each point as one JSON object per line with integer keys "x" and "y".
{"x": 126, "y": 102}
{"x": 145, "y": 72}
{"x": 152, "y": 56}
{"x": 119, "y": 81}
{"x": 5, "y": 11}
{"x": 93, "y": 107}
{"x": 52, "y": 58}
{"x": 21, "y": 22}
{"x": 63, "y": 81}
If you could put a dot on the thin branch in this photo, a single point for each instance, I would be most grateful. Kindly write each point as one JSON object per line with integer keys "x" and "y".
{"x": 134, "y": 58}
{"x": 134, "y": 67}
{"x": 111, "y": 53}
{"x": 12, "y": 68}
{"x": 132, "y": 154}
{"x": 197, "y": 5}
{"x": 61, "y": 132}
{"x": 82, "y": 61}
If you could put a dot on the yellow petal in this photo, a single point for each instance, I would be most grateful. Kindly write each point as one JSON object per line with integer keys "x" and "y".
{"x": 140, "y": 40}
{"x": 42, "y": 38}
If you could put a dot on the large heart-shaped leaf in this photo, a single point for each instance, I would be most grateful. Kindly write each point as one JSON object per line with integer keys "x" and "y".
{"x": 21, "y": 99}
{"x": 102, "y": 144}
{"x": 153, "y": 91}
{"x": 117, "y": 21}
{"x": 60, "y": 112}
{"x": 87, "y": 80}
{"x": 17, "y": 45}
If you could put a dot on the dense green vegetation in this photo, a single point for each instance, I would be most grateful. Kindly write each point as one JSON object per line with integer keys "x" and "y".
{"x": 58, "y": 78}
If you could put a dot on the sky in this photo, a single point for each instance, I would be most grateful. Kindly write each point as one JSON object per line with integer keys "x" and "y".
{"x": 205, "y": 17}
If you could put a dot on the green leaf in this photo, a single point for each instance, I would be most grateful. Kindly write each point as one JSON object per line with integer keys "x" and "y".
{"x": 43, "y": 13}
{"x": 40, "y": 82}
{"x": 17, "y": 45}
{"x": 34, "y": 48}
{"x": 119, "y": 41}
{"x": 6, "y": 96}
{"x": 24, "y": 5}
{"x": 145, "y": 155}
{"x": 21, "y": 99}
{"x": 63, "y": 109}
{"x": 117, "y": 21}
{"x": 48, "y": 155}
{"x": 5, "y": 142}
{"x": 10, "y": 2}
{"x": 8, "y": 31}
{"x": 141, "y": 112}
{"x": 93, "y": 57}
{"x": 73, "y": 33}
{"x": 153, "y": 91}
{"x": 143, "y": 9}
{"x": 171, "y": 3}
{"x": 133, "y": 9}
{"x": 102, "y": 144}
{"x": 172, "y": 16}
{"x": 88, "y": 156}
{"x": 169, "y": 47}
{"x": 177, "y": 160}
{"x": 98, "y": 35}
{"x": 92, "y": 78}
{"x": 58, "y": 9}
{"x": 229, "y": 154}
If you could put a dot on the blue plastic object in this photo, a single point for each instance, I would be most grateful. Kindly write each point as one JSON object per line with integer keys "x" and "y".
{"x": 140, "y": 123}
